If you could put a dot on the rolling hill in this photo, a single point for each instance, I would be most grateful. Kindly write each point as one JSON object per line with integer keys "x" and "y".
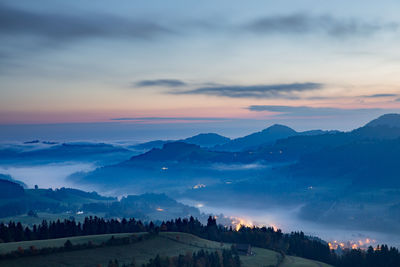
{"x": 266, "y": 136}
{"x": 183, "y": 152}
{"x": 164, "y": 244}
{"x": 16, "y": 203}
{"x": 204, "y": 140}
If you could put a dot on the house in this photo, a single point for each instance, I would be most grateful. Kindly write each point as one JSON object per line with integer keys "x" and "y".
{"x": 244, "y": 249}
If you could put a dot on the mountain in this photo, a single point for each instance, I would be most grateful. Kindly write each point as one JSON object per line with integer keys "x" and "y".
{"x": 207, "y": 140}
{"x": 385, "y": 127}
{"x": 218, "y": 142}
{"x": 369, "y": 155}
{"x": 266, "y": 136}
{"x": 294, "y": 147}
{"x": 390, "y": 120}
{"x": 177, "y": 166}
{"x": 143, "y": 147}
{"x": 364, "y": 162}
{"x": 183, "y": 152}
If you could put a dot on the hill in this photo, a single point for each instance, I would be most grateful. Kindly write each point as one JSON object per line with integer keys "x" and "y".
{"x": 164, "y": 244}
{"x": 391, "y": 120}
{"x": 360, "y": 156}
{"x": 183, "y": 152}
{"x": 204, "y": 140}
{"x": 34, "y": 205}
{"x": 10, "y": 189}
{"x": 20, "y": 201}
{"x": 266, "y": 136}
{"x": 207, "y": 140}
{"x": 218, "y": 142}
{"x": 8, "y": 177}
{"x": 295, "y": 147}
{"x": 361, "y": 162}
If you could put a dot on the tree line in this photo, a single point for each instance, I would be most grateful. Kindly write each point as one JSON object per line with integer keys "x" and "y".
{"x": 295, "y": 243}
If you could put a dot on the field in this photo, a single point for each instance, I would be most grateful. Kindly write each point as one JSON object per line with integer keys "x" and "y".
{"x": 290, "y": 261}
{"x": 166, "y": 244}
{"x": 59, "y": 242}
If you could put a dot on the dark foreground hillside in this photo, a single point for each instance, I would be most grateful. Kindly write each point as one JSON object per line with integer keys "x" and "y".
{"x": 165, "y": 244}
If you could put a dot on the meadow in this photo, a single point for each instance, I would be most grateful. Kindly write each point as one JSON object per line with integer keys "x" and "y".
{"x": 164, "y": 244}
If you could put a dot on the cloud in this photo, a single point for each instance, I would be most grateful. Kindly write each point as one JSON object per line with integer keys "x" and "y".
{"x": 300, "y": 23}
{"x": 168, "y": 119}
{"x": 64, "y": 27}
{"x": 380, "y": 95}
{"x": 287, "y": 91}
{"x": 305, "y": 111}
{"x": 61, "y": 28}
{"x": 160, "y": 82}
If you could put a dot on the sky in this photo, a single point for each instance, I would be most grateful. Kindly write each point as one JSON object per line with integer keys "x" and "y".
{"x": 154, "y": 69}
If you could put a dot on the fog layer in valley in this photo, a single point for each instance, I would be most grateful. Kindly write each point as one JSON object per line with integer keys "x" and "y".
{"x": 52, "y": 175}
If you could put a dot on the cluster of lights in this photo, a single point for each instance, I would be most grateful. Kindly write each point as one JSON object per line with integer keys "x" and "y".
{"x": 238, "y": 222}
{"x": 198, "y": 186}
{"x": 360, "y": 244}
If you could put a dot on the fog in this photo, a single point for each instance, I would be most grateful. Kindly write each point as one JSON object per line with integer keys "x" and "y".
{"x": 47, "y": 175}
{"x": 287, "y": 219}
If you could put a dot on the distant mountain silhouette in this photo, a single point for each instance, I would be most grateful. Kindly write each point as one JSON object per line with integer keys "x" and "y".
{"x": 266, "y": 136}
{"x": 390, "y": 120}
{"x": 364, "y": 163}
{"x": 207, "y": 139}
{"x": 385, "y": 127}
{"x": 202, "y": 140}
{"x": 294, "y": 147}
{"x": 183, "y": 152}
{"x": 150, "y": 145}
{"x": 317, "y": 154}
{"x": 218, "y": 142}
{"x": 369, "y": 155}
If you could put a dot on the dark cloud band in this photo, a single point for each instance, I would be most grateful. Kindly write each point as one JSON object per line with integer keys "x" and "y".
{"x": 287, "y": 91}
{"x": 304, "y": 23}
{"x": 380, "y": 95}
{"x": 63, "y": 27}
{"x": 305, "y": 111}
{"x": 167, "y": 119}
{"x": 160, "y": 82}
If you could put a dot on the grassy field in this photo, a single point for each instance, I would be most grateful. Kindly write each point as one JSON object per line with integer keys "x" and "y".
{"x": 166, "y": 244}
{"x": 59, "y": 242}
{"x": 290, "y": 261}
